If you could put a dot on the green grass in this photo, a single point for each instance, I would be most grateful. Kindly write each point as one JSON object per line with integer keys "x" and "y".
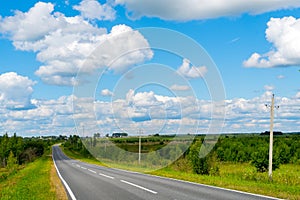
{"x": 243, "y": 177}
{"x": 105, "y": 163}
{"x": 77, "y": 156}
{"x": 32, "y": 182}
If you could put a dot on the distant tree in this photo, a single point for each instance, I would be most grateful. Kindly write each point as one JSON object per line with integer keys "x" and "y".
{"x": 96, "y": 135}
{"x": 4, "y": 149}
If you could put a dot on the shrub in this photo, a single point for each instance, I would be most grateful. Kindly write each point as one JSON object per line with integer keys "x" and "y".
{"x": 260, "y": 159}
{"x": 12, "y": 163}
{"x": 203, "y": 165}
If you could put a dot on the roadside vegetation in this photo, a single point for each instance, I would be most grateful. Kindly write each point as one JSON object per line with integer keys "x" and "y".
{"x": 27, "y": 170}
{"x": 237, "y": 161}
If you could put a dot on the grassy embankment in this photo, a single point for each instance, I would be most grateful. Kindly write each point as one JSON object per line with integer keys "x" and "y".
{"x": 37, "y": 180}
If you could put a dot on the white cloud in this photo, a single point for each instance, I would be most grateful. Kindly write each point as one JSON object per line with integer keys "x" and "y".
{"x": 48, "y": 117}
{"x": 15, "y": 91}
{"x": 123, "y": 47}
{"x": 64, "y": 44}
{"x": 31, "y": 25}
{"x": 189, "y": 71}
{"x": 156, "y": 112}
{"x": 269, "y": 87}
{"x": 148, "y": 110}
{"x": 280, "y": 76}
{"x": 92, "y": 9}
{"x": 191, "y": 9}
{"x": 180, "y": 87}
{"x": 106, "y": 92}
{"x": 283, "y": 34}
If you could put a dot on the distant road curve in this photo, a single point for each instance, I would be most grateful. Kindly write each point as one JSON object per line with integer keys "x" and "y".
{"x": 86, "y": 181}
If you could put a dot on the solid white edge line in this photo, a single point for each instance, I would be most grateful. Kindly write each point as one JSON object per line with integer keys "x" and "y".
{"x": 64, "y": 182}
{"x": 138, "y": 186}
{"x": 106, "y": 176}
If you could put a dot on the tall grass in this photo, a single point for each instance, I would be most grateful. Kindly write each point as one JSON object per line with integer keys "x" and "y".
{"x": 244, "y": 177}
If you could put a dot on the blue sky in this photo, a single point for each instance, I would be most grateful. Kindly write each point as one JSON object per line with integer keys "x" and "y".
{"x": 50, "y": 83}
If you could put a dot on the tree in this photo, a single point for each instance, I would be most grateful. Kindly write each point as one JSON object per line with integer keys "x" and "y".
{"x": 260, "y": 159}
{"x": 200, "y": 165}
{"x": 284, "y": 152}
{"x": 12, "y": 165}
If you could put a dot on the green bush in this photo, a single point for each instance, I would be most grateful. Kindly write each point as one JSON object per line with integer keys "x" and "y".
{"x": 260, "y": 159}
{"x": 12, "y": 163}
{"x": 203, "y": 165}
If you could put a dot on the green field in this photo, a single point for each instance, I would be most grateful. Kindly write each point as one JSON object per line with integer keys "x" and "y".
{"x": 34, "y": 181}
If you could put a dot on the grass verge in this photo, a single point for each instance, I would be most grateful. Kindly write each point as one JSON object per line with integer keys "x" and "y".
{"x": 56, "y": 184}
{"x": 77, "y": 156}
{"x": 243, "y": 177}
{"x": 37, "y": 180}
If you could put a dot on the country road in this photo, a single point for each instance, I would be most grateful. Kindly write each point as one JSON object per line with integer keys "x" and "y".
{"x": 86, "y": 181}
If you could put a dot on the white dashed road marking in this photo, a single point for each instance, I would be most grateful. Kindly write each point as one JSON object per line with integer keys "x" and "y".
{"x": 106, "y": 176}
{"x": 138, "y": 186}
{"x": 92, "y": 171}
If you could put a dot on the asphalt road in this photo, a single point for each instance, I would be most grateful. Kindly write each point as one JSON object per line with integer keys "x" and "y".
{"x": 85, "y": 181}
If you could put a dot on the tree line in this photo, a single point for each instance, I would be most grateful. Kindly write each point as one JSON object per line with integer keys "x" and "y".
{"x": 74, "y": 144}
{"x": 16, "y": 150}
{"x": 252, "y": 149}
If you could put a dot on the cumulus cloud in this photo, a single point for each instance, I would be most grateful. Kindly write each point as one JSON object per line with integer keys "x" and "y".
{"x": 106, "y": 92}
{"x": 31, "y": 25}
{"x": 48, "y": 117}
{"x": 191, "y": 72}
{"x": 269, "y": 87}
{"x": 92, "y": 9}
{"x": 151, "y": 111}
{"x": 180, "y": 87}
{"x": 280, "y": 76}
{"x": 65, "y": 44}
{"x": 191, "y": 10}
{"x": 121, "y": 48}
{"x": 283, "y": 34}
{"x": 15, "y": 91}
